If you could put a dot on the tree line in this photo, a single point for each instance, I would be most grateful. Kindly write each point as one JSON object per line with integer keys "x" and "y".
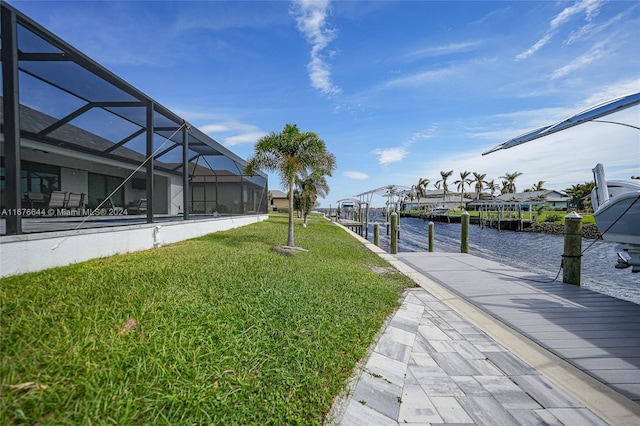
{"x": 579, "y": 193}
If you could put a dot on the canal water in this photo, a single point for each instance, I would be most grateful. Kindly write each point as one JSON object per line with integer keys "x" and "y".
{"x": 533, "y": 252}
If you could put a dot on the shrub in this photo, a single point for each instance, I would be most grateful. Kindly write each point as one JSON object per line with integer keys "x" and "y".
{"x": 554, "y": 217}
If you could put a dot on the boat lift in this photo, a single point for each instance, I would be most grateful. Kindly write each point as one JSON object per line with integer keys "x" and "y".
{"x": 394, "y": 194}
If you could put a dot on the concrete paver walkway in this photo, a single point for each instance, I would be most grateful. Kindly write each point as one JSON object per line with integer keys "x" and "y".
{"x": 430, "y": 366}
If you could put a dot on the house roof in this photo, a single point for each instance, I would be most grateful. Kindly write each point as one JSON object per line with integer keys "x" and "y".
{"x": 547, "y": 195}
{"x": 277, "y": 194}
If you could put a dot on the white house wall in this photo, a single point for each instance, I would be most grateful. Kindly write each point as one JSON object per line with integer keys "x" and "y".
{"x": 74, "y": 180}
{"x": 35, "y": 252}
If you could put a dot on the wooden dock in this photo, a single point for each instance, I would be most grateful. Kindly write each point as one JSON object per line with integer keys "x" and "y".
{"x": 596, "y": 333}
{"x": 352, "y": 225}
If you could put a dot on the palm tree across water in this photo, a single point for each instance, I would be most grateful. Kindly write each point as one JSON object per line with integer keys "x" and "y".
{"x": 580, "y": 193}
{"x": 539, "y": 186}
{"x": 492, "y": 187}
{"x": 420, "y": 188}
{"x": 462, "y": 182}
{"x": 445, "y": 187}
{"x": 478, "y": 178}
{"x": 504, "y": 189}
{"x": 510, "y": 181}
{"x": 291, "y": 153}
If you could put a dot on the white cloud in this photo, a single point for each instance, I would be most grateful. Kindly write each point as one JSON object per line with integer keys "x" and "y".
{"x": 421, "y": 78}
{"x": 214, "y": 128}
{"x": 422, "y": 134}
{"x": 589, "y": 7}
{"x": 395, "y": 154}
{"x": 596, "y": 52}
{"x": 590, "y": 29}
{"x": 533, "y": 49}
{"x": 244, "y": 138}
{"x": 311, "y": 17}
{"x": 391, "y": 155}
{"x": 233, "y": 133}
{"x": 355, "y": 175}
{"x": 444, "y": 50}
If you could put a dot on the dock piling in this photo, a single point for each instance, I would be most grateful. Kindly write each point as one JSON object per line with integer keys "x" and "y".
{"x": 393, "y": 249}
{"x": 376, "y": 234}
{"x": 431, "y": 236}
{"x": 572, "y": 257}
{"x": 464, "y": 240}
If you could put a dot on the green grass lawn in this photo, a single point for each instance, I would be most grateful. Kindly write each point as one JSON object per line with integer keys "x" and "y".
{"x": 221, "y": 329}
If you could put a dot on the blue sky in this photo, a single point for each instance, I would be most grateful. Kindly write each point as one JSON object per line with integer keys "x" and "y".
{"x": 398, "y": 90}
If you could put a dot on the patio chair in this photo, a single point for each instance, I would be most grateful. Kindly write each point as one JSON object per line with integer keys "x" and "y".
{"x": 36, "y": 200}
{"x": 138, "y": 207}
{"x": 57, "y": 200}
{"x": 75, "y": 201}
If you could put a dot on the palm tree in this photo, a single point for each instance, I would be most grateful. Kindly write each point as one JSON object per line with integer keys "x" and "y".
{"x": 310, "y": 187}
{"x": 579, "y": 194}
{"x": 504, "y": 189}
{"x": 539, "y": 186}
{"x": 478, "y": 178}
{"x": 462, "y": 182}
{"x": 510, "y": 179}
{"x": 291, "y": 153}
{"x": 445, "y": 187}
{"x": 492, "y": 187}
{"x": 420, "y": 188}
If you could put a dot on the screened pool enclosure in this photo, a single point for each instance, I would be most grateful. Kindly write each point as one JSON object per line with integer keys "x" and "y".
{"x": 78, "y": 141}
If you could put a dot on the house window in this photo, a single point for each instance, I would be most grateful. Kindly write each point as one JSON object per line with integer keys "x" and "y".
{"x": 35, "y": 177}
{"x": 101, "y": 186}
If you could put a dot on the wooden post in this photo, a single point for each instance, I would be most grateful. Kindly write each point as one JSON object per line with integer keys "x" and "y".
{"x": 520, "y": 226}
{"x": 464, "y": 240}
{"x": 393, "y": 248}
{"x": 376, "y": 234}
{"x": 572, "y": 257}
{"x": 366, "y": 236}
{"x": 431, "y": 236}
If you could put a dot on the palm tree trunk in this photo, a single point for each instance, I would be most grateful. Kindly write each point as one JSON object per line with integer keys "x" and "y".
{"x": 290, "y": 242}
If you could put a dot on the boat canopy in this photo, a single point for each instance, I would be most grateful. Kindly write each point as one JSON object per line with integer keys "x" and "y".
{"x": 590, "y": 114}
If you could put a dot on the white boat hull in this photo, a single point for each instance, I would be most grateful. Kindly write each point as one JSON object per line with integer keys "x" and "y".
{"x": 618, "y": 220}
{"x": 617, "y": 216}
